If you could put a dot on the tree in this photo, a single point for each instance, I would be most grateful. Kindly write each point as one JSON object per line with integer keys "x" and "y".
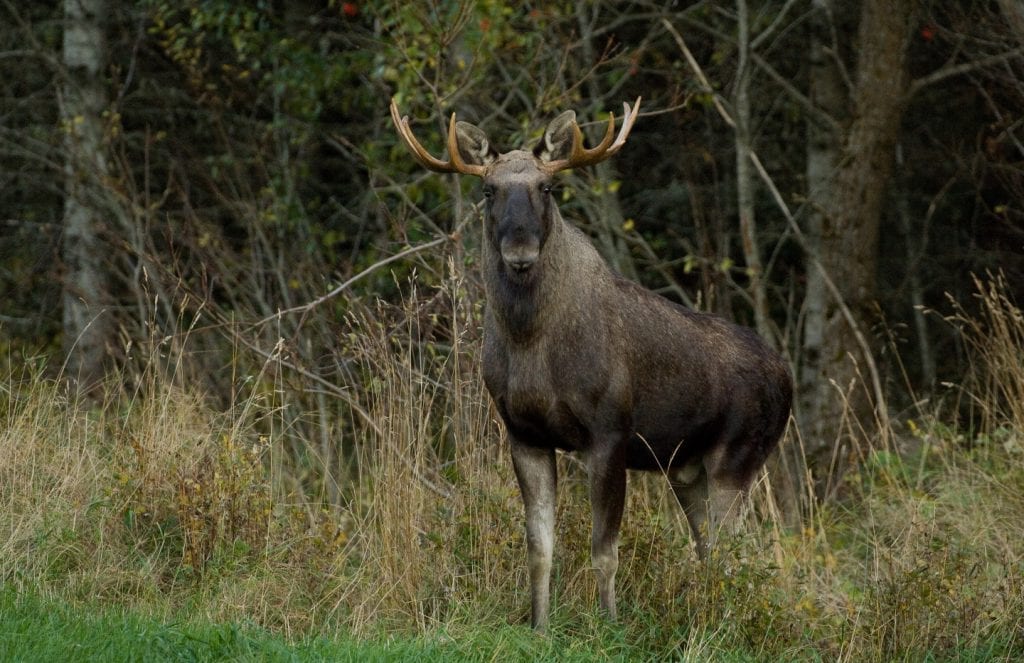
{"x": 83, "y": 100}
{"x": 848, "y": 189}
{"x": 745, "y": 188}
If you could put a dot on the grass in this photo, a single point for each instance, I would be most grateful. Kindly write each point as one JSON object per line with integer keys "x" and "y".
{"x": 155, "y": 524}
{"x": 33, "y": 629}
{"x": 37, "y": 630}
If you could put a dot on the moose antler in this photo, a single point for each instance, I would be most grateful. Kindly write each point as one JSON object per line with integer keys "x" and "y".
{"x": 455, "y": 164}
{"x": 580, "y": 156}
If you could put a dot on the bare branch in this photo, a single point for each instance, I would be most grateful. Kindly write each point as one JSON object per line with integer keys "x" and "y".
{"x": 815, "y": 113}
{"x": 699, "y": 73}
{"x": 767, "y": 32}
{"x": 305, "y": 308}
{"x": 963, "y": 68}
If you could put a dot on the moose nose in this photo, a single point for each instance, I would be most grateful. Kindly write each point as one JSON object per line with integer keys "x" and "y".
{"x": 520, "y": 255}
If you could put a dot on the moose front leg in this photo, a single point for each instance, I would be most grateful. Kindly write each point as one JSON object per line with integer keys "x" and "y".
{"x": 536, "y": 472}
{"x": 607, "y": 470}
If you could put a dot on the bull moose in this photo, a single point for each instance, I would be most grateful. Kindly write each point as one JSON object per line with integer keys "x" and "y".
{"x": 581, "y": 359}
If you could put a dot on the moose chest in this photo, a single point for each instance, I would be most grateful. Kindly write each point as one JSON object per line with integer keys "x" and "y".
{"x": 540, "y": 399}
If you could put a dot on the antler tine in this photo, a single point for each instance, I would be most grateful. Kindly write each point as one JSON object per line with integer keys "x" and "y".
{"x": 405, "y": 132}
{"x": 580, "y": 156}
{"x": 628, "y": 120}
{"x": 455, "y": 164}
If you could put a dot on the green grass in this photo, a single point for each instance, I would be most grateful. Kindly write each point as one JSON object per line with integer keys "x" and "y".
{"x": 34, "y": 629}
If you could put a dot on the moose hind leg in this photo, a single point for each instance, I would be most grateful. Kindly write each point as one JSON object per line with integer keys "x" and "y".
{"x": 725, "y": 503}
{"x": 536, "y": 473}
{"x": 690, "y": 485}
{"x": 607, "y": 497}
{"x": 727, "y": 483}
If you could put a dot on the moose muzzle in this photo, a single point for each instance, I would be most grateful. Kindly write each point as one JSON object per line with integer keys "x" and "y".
{"x": 520, "y": 254}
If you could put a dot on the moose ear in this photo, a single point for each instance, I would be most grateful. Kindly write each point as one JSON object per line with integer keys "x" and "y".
{"x": 558, "y": 138}
{"x": 474, "y": 148}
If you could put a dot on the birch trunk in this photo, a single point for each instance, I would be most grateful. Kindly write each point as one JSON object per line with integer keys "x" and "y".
{"x": 836, "y": 403}
{"x": 745, "y": 183}
{"x": 83, "y": 99}
{"x": 824, "y": 147}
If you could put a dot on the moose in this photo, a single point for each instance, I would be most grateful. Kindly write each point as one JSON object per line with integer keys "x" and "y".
{"x": 579, "y": 359}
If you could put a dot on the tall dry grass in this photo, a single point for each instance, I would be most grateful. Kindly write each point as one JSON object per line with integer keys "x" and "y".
{"x": 155, "y": 499}
{"x": 45, "y": 472}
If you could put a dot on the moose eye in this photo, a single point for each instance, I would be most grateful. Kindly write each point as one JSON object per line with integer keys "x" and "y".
{"x": 547, "y": 188}
{"x": 488, "y": 192}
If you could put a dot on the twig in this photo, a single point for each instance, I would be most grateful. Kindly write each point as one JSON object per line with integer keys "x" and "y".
{"x": 865, "y": 348}
{"x": 967, "y": 67}
{"x": 699, "y": 73}
{"x": 813, "y": 112}
{"x": 767, "y": 32}
{"x": 304, "y": 308}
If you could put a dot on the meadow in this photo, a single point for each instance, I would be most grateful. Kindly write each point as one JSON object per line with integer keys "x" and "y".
{"x": 152, "y": 523}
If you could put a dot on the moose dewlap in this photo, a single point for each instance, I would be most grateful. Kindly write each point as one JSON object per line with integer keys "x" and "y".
{"x": 580, "y": 359}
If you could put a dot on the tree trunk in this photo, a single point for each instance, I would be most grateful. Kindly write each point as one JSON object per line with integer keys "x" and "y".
{"x": 606, "y": 216}
{"x": 835, "y": 398}
{"x": 745, "y": 182}
{"x": 916, "y": 243}
{"x": 824, "y": 146}
{"x": 83, "y": 98}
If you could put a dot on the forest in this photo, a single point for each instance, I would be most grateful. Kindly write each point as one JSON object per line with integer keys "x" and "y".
{"x": 241, "y": 325}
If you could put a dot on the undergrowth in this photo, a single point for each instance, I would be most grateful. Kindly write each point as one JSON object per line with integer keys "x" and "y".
{"x": 155, "y": 500}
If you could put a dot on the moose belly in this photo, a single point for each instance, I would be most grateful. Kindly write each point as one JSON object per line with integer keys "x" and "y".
{"x": 663, "y": 440}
